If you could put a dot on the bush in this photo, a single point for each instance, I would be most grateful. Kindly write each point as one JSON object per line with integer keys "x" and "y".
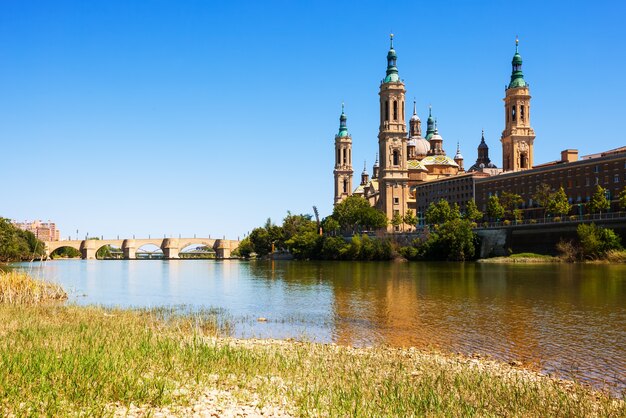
{"x": 567, "y": 250}
{"x": 595, "y": 241}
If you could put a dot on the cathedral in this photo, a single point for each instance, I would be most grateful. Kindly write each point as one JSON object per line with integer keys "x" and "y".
{"x": 408, "y": 161}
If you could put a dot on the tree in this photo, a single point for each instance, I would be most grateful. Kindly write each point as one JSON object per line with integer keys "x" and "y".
{"x": 245, "y": 248}
{"x": 396, "y": 220}
{"x": 330, "y": 225}
{"x": 471, "y": 211}
{"x": 451, "y": 240}
{"x": 440, "y": 212}
{"x": 598, "y": 201}
{"x": 260, "y": 239}
{"x": 494, "y": 208}
{"x": 16, "y": 244}
{"x": 596, "y": 241}
{"x": 622, "y": 199}
{"x": 557, "y": 203}
{"x": 355, "y": 213}
{"x": 410, "y": 218}
{"x": 542, "y": 196}
{"x": 511, "y": 202}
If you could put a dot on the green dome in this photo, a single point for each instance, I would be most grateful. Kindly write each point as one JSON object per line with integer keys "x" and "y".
{"x": 392, "y": 78}
{"x": 517, "y": 77}
{"x": 343, "y": 127}
{"x": 392, "y": 71}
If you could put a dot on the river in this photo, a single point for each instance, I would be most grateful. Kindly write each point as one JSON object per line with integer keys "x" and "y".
{"x": 564, "y": 319}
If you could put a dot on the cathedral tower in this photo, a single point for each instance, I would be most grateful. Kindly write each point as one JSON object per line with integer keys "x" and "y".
{"x": 392, "y": 141}
{"x": 517, "y": 137}
{"x": 343, "y": 160}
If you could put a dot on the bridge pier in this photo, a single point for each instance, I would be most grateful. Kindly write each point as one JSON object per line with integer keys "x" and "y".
{"x": 88, "y": 249}
{"x": 129, "y": 248}
{"x": 222, "y": 248}
{"x": 170, "y": 248}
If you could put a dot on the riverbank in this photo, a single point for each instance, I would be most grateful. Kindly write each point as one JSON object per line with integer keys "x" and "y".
{"x": 62, "y": 360}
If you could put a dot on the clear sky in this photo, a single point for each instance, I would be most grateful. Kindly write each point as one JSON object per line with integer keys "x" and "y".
{"x": 204, "y": 117}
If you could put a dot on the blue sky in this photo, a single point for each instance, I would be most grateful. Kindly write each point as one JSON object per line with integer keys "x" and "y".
{"x": 198, "y": 117}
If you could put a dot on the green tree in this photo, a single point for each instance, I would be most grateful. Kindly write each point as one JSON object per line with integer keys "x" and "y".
{"x": 397, "y": 220}
{"x": 245, "y": 248}
{"x": 410, "y": 218}
{"x": 305, "y": 245}
{"x": 599, "y": 202}
{"x": 595, "y": 241}
{"x": 260, "y": 239}
{"x": 557, "y": 203}
{"x": 451, "y": 240}
{"x": 355, "y": 213}
{"x": 297, "y": 224}
{"x": 440, "y": 212}
{"x": 495, "y": 210}
{"x": 511, "y": 202}
{"x": 542, "y": 196}
{"x": 622, "y": 199}
{"x": 330, "y": 225}
{"x": 471, "y": 211}
{"x": 16, "y": 244}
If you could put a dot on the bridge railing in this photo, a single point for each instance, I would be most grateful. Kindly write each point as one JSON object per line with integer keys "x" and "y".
{"x": 568, "y": 219}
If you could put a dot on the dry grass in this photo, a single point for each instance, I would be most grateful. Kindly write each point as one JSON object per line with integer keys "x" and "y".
{"x": 69, "y": 360}
{"x": 18, "y": 288}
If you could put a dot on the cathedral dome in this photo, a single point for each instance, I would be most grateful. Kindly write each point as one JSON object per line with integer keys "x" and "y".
{"x": 422, "y": 146}
{"x": 416, "y": 165}
{"x": 439, "y": 160}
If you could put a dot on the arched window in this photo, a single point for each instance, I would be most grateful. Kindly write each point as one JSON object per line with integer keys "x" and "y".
{"x": 402, "y": 111}
{"x": 395, "y": 110}
{"x": 513, "y": 113}
{"x": 345, "y": 186}
{"x": 338, "y": 156}
{"x": 396, "y": 158}
{"x": 522, "y": 161}
{"x": 344, "y": 156}
{"x": 386, "y": 110}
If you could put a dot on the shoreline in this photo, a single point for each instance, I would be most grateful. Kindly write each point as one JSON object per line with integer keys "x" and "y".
{"x": 125, "y": 362}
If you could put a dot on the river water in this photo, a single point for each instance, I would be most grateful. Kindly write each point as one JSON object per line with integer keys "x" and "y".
{"x": 568, "y": 320}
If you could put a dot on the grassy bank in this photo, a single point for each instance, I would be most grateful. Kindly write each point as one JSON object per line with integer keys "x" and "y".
{"x": 522, "y": 258}
{"x": 66, "y": 360}
{"x": 19, "y": 288}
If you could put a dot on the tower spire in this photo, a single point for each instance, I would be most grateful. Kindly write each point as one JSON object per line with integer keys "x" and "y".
{"x": 517, "y": 77}
{"x": 343, "y": 127}
{"x": 392, "y": 70}
{"x": 414, "y": 108}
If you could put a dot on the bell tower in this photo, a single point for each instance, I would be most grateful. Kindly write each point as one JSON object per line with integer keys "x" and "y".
{"x": 392, "y": 141}
{"x": 518, "y": 136}
{"x": 343, "y": 160}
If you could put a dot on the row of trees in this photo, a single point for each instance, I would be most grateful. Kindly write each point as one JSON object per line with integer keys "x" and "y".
{"x": 300, "y": 235}
{"x": 18, "y": 245}
{"x": 553, "y": 203}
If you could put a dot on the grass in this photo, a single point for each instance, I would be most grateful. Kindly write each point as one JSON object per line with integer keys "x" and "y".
{"x": 69, "y": 360}
{"x": 531, "y": 255}
{"x": 19, "y": 288}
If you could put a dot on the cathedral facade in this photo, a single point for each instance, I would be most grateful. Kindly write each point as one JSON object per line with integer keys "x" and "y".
{"x": 412, "y": 169}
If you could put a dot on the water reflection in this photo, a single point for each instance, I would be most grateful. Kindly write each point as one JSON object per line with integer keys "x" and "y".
{"x": 565, "y": 319}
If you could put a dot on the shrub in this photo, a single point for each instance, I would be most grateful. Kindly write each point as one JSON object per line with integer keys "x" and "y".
{"x": 595, "y": 241}
{"x": 567, "y": 250}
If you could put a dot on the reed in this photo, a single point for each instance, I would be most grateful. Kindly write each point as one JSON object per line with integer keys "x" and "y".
{"x": 18, "y": 288}
{"x": 69, "y": 360}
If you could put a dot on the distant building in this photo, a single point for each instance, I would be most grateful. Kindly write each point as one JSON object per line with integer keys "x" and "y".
{"x": 45, "y": 231}
{"x": 414, "y": 170}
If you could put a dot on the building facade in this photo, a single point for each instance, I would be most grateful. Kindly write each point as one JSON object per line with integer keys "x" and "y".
{"x": 45, "y": 231}
{"x": 415, "y": 171}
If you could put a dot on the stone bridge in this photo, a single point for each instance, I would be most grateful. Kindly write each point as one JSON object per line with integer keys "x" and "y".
{"x": 170, "y": 246}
